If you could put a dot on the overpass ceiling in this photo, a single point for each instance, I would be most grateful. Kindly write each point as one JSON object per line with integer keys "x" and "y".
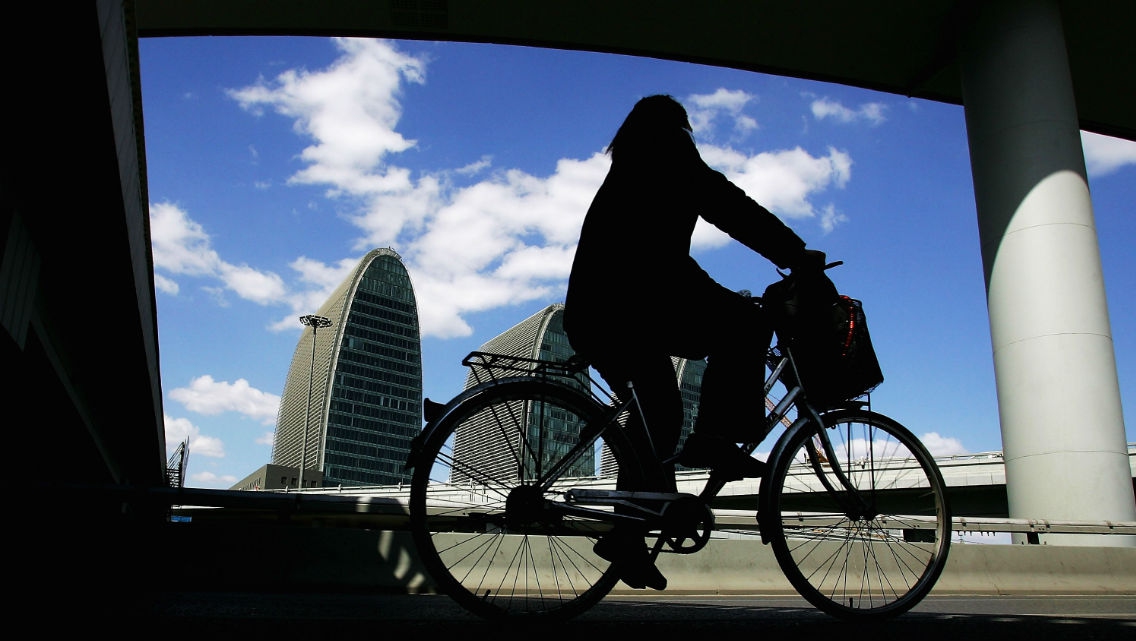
{"x": 905, "y": 47}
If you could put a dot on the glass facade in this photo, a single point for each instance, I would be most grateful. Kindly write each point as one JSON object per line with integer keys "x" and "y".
{"x": 364, "y": 378}
{"x": 689, "y": 375}
{"x": 539, "y": 336}
{"x": 542, "y": 336}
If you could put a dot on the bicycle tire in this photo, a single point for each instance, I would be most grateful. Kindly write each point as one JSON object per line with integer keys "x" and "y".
{"x": 481, "y": 530}
{"x": 870, "y": 560}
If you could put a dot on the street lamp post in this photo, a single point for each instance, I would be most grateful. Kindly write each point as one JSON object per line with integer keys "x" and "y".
{"x": 315, "y": 322}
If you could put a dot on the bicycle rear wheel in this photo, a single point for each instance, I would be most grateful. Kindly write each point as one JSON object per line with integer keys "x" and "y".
{"x": 864, "y": 526}
{"x": 488, "y": 534}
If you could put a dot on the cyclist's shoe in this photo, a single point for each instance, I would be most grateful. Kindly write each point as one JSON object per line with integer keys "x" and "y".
{"x": 633, "y": 561}
{"x": 721, "y": 456}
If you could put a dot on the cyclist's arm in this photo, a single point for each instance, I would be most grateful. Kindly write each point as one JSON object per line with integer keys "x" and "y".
{"x": 728, "y": 208}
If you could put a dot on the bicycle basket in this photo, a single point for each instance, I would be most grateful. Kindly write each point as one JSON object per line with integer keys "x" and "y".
{"x": 827, "y": 334}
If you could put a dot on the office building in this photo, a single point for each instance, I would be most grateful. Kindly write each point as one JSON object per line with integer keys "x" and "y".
{"x": 688, "y": 373}
{"x": 539, "y": 336}
{"x": 542, "y": 336}
{"x": 352, "y": 401}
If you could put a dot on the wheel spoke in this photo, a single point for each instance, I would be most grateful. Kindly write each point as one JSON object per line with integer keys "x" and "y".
{"x": 488, "y": 527}
{"x": 867, "y": 538}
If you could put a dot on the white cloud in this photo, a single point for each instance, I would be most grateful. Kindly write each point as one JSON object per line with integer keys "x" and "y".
{"x": 178, "y": 430}
{"x": 872, "y": 112}
{"x": 475, "y": 167}
{"x": 209, "y": 479}
{"x": 784, "y": 181}
{"x": 326, "y": 277}
{"x": 250, "y": 284}
{"x": 938, "y": 446}
{"x": 1104, "y": 155}
{"x": 942, "y": 445}
{"x": 206, "y": 396}
{"x": 349, "y": 110}
{"x": 181, "y": 247}
{"x": 830, "y": 218}
{"x": 506, "y": 240}
{"x": 182, "y": 430}
{"x": 704, "y": 110}
{"x": 166, "y": 285}
{"x": 202, "y": 445}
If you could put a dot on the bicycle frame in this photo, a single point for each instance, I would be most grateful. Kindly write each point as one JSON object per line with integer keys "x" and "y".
{"x": 518, "y": 539}
{"x": 487, "y": 366}
{"x": 853, "y": 506}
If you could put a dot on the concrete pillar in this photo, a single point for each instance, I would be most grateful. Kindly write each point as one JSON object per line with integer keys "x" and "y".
{"x": 1055, "y": 367}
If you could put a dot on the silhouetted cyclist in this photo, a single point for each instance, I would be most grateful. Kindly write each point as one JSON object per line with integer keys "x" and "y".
{"x": 636, "y": 298}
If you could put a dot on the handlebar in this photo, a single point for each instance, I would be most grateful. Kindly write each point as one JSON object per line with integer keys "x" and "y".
{"x": 828, "y": 266}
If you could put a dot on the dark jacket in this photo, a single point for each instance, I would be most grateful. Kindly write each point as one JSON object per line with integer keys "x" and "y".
{"x": 634, "y": 248}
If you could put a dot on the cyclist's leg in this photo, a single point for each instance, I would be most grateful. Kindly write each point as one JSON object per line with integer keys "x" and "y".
{"x": 653, "y": 379}
{"x": 733, "y": 332}
{"x": 735, "y": 337}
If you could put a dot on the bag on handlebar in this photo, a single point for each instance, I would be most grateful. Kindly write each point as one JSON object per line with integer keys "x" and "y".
{"x": 828, "y": 335}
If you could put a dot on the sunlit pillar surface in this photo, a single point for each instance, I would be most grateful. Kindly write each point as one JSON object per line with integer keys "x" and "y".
{"x": 1055, "y": 366}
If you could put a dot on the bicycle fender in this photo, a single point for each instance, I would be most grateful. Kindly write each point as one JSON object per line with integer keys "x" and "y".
{"x": 433, "y": 412}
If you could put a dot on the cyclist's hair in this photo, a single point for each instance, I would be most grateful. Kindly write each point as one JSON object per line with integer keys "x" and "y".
{"x": 654, "y": 124}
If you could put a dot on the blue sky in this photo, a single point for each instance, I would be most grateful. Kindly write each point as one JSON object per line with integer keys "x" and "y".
{"x": 275, "y": 164}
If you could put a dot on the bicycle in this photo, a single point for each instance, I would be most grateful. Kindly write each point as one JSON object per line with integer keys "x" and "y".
{"x": 507, "y": 499}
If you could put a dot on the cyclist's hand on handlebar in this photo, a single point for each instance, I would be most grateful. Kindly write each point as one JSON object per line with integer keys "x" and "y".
{"x": 811, "y": 260}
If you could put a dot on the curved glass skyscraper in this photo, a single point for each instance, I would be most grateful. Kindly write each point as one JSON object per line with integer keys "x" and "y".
{"x": 542, "y": 336}
{"x": 689, "y": 375}
{"x": 538, "y": 336}
{"x": 353, "y": 397}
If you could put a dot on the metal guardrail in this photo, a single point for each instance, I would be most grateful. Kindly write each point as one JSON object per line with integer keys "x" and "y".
{"x": 743, "y": 520}
{"x": 389, "y": 508}
{"x": 1041, "y": 526}
{"x": 386, "y": 506}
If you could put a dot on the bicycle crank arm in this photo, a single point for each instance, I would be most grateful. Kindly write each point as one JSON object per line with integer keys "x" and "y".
{"x": 619, "y": 497}
{"x": 606, "y": 516}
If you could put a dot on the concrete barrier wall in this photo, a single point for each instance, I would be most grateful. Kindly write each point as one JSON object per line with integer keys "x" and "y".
{"x": 733, "y": 566}
{"x": 270, "y": 557}
{"x": 1039, "y": 569}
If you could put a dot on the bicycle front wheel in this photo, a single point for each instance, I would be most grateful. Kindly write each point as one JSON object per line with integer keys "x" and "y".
{"x": 489, "y": 521}
{"x": 864, "y": 526}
